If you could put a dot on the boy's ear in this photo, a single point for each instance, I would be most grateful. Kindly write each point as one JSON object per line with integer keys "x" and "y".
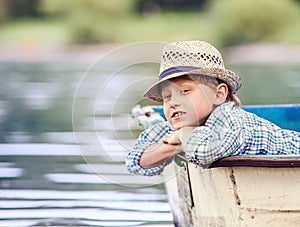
{"x": 221, "y": 93}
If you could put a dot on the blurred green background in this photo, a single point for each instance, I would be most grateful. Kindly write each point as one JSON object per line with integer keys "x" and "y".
{"x": 222, "y": 22}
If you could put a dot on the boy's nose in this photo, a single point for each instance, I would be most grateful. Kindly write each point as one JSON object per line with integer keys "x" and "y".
{"x": 174, "y": 102}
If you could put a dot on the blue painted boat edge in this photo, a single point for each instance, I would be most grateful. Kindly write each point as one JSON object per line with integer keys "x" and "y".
{"x": 286, "y": 116}
{"x": 293, "y": 105}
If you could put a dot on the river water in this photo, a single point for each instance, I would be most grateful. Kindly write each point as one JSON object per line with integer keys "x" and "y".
{"x": 66, "y": 130}
{"x": 55, "y": 172}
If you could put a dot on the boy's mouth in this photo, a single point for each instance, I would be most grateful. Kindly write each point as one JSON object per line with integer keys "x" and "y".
{"x": 177, "y": 114}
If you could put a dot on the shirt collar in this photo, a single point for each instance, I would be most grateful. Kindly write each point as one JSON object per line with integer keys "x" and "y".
{"x": 225, "y": 107}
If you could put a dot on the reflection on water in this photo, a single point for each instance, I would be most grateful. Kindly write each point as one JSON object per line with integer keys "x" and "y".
{"x": 45, "y": 178}
{"x": 50, "y": 176}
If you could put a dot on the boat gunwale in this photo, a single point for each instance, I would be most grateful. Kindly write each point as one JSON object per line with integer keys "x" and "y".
{"x": 268, "y": 161}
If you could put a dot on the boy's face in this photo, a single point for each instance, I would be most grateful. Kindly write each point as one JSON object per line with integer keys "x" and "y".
{"x": 187, "y": 103}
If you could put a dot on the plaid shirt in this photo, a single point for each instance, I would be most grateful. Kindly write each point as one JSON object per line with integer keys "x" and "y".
{"x": 228, "y": 131}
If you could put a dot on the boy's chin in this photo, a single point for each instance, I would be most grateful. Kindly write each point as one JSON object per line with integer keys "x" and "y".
{"x": 177, "y": 126}
{"x": 180, "y": 126}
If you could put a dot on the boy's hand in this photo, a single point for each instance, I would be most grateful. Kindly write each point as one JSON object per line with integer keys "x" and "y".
{"x": 172, "y": 139}
{"x": 179, "y": 137}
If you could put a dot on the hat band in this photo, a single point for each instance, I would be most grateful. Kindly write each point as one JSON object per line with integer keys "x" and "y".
{"x": 173, "y": 70}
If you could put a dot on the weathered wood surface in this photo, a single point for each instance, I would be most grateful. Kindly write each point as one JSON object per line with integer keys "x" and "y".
{"x": 236, "y": 195}
{"x": 180, "y": 195}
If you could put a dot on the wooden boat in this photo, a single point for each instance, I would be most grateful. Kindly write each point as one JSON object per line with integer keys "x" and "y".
{"x": 240, "y": 190}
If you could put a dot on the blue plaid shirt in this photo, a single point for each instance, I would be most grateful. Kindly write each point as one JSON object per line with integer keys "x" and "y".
{"x": 228, "y": 131}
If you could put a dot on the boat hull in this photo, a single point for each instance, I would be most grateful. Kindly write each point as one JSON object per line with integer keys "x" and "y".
{"x": 234, "y": 196}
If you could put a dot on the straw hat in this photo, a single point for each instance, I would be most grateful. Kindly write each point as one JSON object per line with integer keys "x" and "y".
{"x": 192, "y": 57}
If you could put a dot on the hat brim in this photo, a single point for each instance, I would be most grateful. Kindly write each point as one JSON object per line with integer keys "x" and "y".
{"x": 229, "y": 77}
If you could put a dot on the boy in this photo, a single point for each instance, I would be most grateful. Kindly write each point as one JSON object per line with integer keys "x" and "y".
{"x": 204, "y": 118}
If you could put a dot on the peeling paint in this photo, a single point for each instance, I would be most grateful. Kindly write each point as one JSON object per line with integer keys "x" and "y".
{"x": 190, "y": 187}
{"x": 236, "y": 195}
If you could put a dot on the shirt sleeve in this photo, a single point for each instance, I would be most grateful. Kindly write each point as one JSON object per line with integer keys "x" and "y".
{"x": 150, "y": 136}
{"x": 222, "y": 136}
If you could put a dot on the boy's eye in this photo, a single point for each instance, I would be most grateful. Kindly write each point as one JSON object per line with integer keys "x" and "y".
{"x": 185, "y": 91}
{"x": 167, "y": 97}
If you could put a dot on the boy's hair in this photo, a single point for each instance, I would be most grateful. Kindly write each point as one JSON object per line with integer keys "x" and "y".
{"x": 212, "y": 82}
